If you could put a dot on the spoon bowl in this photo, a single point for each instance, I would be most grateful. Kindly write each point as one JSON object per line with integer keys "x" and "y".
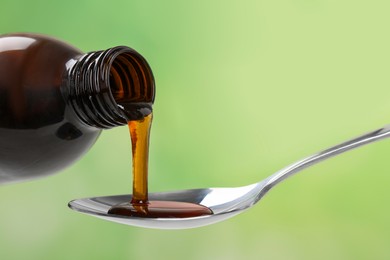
{"x": 224, "y": 202}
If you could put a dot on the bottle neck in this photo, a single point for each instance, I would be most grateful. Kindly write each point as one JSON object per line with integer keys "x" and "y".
{"x": 109, "y": 88}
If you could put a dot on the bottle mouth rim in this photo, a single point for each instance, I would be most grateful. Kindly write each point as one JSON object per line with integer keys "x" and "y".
{"x": 109, "y": 88}
{"x": 130, "y": 68}
{"x": 129, "y": 82}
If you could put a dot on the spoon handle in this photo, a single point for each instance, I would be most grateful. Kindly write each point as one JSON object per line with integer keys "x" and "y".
{"x": 323, "y": 155}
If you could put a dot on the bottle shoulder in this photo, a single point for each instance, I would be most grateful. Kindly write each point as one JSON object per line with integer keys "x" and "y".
{"x": 31, "y": 74}
{"x": 20, "y": 42}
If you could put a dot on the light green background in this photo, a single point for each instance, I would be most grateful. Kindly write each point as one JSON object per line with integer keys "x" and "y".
{"x": 243, "y": 89}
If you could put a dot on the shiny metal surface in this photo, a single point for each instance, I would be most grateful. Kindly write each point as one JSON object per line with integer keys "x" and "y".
{"x": 224, "y": 202}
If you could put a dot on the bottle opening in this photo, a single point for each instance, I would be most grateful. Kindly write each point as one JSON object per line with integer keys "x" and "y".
{"x": 109, "y": 88}
{"x": 131, "y": 84}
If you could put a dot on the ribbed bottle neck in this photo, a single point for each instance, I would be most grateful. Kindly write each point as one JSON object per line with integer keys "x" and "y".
{"x": 109, "y": 88}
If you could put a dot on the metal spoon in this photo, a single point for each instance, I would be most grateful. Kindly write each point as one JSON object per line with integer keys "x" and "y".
{"x": 224, "y": 202}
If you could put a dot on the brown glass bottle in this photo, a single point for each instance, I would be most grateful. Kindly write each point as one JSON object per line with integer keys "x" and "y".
{"x": 55, "y": 100}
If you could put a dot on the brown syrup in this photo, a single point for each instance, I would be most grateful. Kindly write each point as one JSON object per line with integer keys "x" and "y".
{"x": 140, "y": 206}
{"x": 161, "y": 209}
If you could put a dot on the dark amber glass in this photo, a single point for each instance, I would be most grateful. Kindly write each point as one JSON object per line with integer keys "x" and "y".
{"x": 55, "y": 100}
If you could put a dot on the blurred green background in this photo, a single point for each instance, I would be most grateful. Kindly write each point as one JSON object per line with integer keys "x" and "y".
{"x": 243, "y": 89}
